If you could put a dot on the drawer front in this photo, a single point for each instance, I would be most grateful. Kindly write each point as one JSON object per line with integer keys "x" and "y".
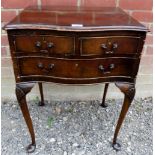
{"x": 45, "y": 44}
{"x": 67, "y": 68}
{"x": 109, "y": 45}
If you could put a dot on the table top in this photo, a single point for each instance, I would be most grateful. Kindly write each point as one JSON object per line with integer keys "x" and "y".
{"x": 74, "y": 19}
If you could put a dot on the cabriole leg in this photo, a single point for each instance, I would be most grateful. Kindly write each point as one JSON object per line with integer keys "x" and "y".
{"x": 41, "y": 103}
{"x": 104, "y": 105}
{"x": 129, "y": 93}
{"x": 21, "y": 91}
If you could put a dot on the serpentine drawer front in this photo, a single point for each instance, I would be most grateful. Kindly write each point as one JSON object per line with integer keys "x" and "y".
{"x": 75, "y": 46}
{"x": 69, "y": 68}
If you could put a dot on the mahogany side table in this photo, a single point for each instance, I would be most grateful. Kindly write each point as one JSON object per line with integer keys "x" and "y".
{"x": 75, "y": 46}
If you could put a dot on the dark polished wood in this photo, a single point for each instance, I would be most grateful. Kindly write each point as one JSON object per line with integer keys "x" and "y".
{"x": 104, "y": 105}
{"x": 21, "y": 91}
{"x": 45, "y": 43}
{"x": 109, "y": 45}
{"x": 75, "y": 19}
{"x": 41, "y": 102}
{"x": 129, "y": 93}
{"x": 77, "y": 68}
{"x": 75, "y": 46}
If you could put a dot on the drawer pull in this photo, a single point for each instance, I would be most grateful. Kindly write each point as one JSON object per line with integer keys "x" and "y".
{"x": 51, "y": 66}
{"x": 38, "y": 44}
{"x": 106, "y": 70}
{"x": 109, "y": 52}
{"x": 115, "y": 45}
{"x": 101, "y": 68}
{"x": 110, "y": 48}
{"x": 50, "y": 45}
{"x": 112, "y": 66}
{"x": 44, "y": 69}
{"x": 40, "y": 65}
{"x": 104, "y": 46}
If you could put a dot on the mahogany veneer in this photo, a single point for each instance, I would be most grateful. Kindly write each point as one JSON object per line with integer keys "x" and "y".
{"x": 75, "y": 46}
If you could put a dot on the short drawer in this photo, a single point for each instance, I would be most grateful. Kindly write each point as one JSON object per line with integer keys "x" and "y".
{"x": 71, "y": 68}
{"x": 45, "y": 44}
{"x": 109, "y": 45}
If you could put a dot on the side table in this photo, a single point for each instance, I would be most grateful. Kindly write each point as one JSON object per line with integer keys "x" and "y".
{"x": 75, "y": 46}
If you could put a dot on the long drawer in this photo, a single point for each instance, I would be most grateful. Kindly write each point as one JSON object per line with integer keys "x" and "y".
{"x": 77, "y": 68}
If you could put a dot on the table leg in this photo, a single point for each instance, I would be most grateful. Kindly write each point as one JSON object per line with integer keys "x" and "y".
{"x": 21, "y": 91}
{"x": 129, "y": 93}
{"x": 41, "y": 103}
{"x": 104, "y": 105}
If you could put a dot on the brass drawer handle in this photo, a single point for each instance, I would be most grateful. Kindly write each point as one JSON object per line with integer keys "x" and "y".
{"x": 38, "y": 44}
{"x": 109, "y": 52}
{"x": 50, "y": 45}
{"x": 114, "y": 45}
{"x": 106, "y": 70}
{"x": 100, "y": 67}
{"x": 109, "y": 47}
{"x": 44, "y": 69}
{"x": 50, "y": 66}
{"x": 104, "y": 46}
{"x": 40, "y": 65}
{"x": 112, "y": 66}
